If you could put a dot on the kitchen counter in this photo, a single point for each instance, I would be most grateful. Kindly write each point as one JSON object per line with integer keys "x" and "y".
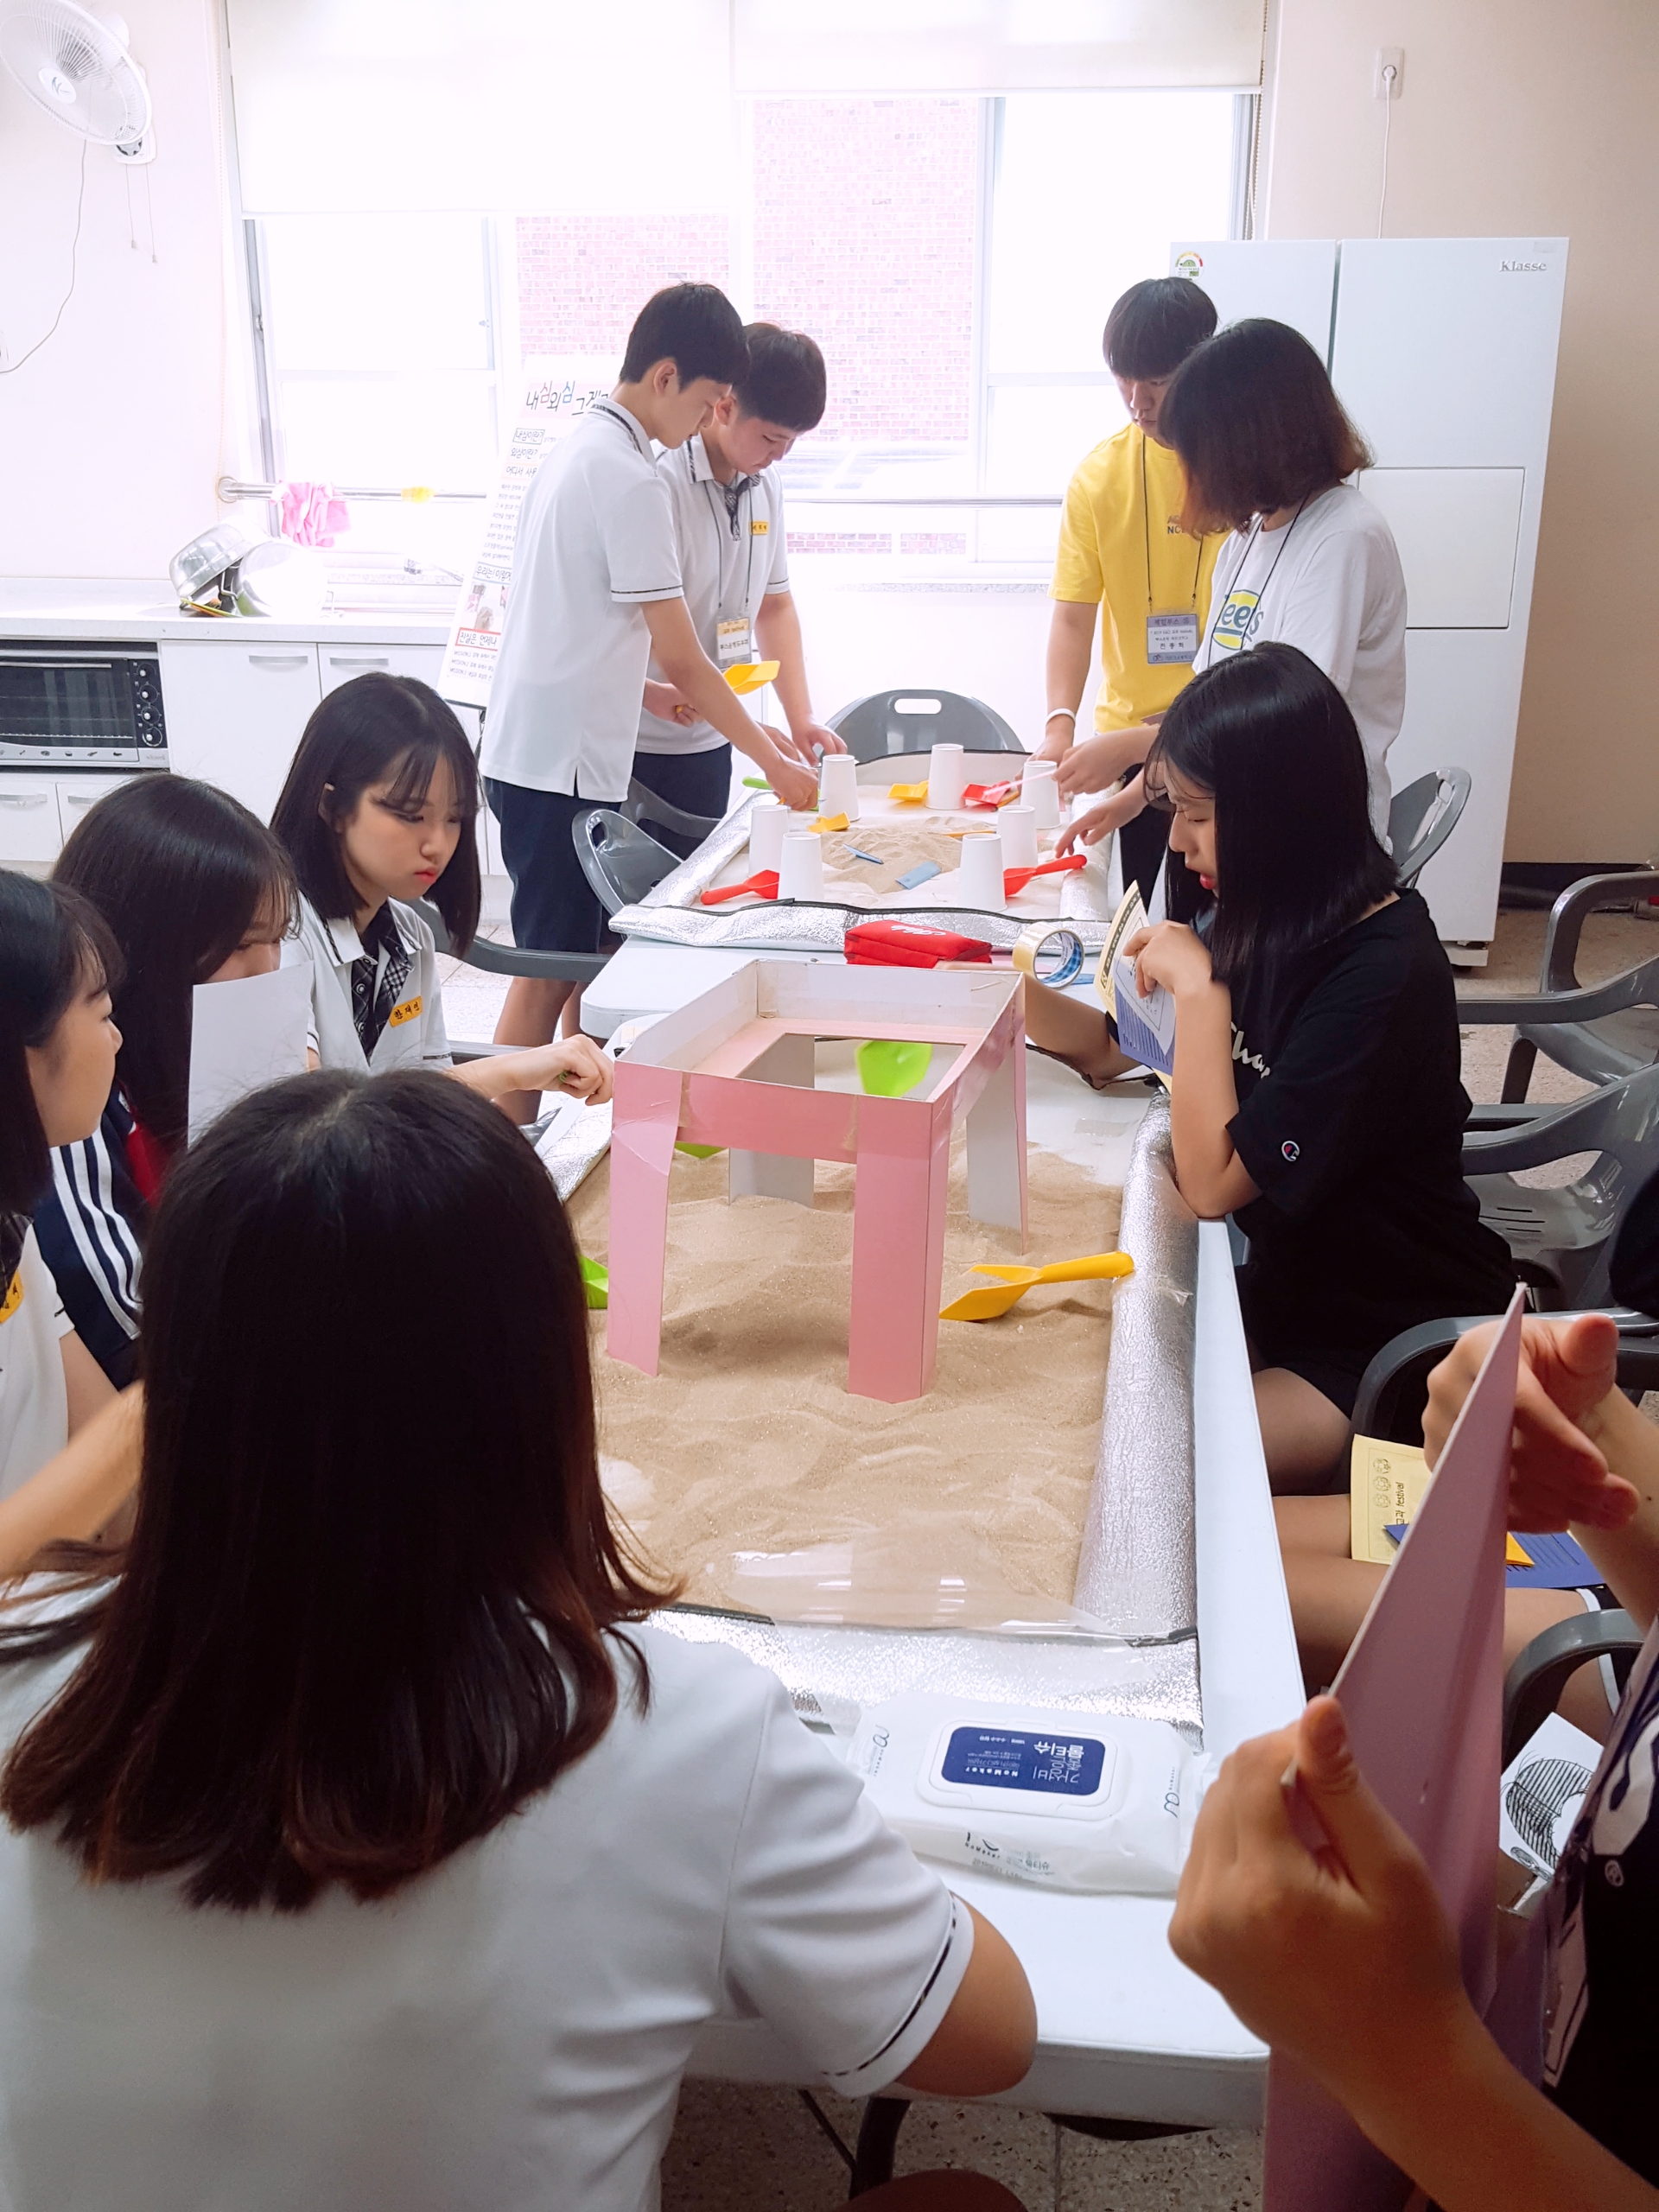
{"x": 144, "y": 609}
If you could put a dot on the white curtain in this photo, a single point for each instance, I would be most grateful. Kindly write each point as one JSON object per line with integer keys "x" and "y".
{"x": 995, "y": 46}
{"x": 538, "y": 106}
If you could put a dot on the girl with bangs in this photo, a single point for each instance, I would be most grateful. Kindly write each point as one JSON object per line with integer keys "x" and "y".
{"x": 1317, "y": 1093}
{"x": 379, "y": 812}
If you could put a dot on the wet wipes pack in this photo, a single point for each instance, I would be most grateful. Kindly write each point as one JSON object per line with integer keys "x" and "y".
{"x": 1082, "y": 1801}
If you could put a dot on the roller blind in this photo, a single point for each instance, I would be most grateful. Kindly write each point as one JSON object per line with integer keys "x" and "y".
{"x": 995, "y": 46}
{"x": 540, "y": 106}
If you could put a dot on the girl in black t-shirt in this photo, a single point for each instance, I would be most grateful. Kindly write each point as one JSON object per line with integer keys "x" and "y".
{"x": 1316, "y": 1093}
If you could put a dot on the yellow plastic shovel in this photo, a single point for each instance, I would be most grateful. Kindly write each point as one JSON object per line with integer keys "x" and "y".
{"x": 908, "y": 794}
{"x": 749, "y": 675}
{"x": 986, "y": 1305}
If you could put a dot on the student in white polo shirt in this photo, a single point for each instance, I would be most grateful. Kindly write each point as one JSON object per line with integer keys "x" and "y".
{"x": 379, "y": 810}
{"x": 596, "y": 592}
{"x": 728, "y": 522}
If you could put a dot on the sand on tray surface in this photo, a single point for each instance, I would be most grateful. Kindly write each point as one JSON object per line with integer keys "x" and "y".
{"x": 746, "y": 1468}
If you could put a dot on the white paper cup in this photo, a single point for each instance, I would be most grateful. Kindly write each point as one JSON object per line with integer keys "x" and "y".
{"x": 838, "y": 785}
{"x": 980, "y": 878}
{"x": 1039, "y": 792}
{"x": 947, "y": 777}
{"x": 768, "y": 820}
{"x": 1016, "y": 825}
{"x": 800, "y": 865}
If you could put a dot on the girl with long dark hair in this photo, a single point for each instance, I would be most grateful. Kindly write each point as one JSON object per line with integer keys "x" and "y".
{"x": 366, "y": 1840}
{"x": 194, "y": 889}
{"x": 1268, "y": 453}
{"x": 379, "y": 811}
{"x": 1317, "y": 1093}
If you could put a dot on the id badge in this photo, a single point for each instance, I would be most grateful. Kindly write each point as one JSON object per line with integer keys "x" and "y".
{"x": 731, "y": 641}
{"x": 1173, "y": 639}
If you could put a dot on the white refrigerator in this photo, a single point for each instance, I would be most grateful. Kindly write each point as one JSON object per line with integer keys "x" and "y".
{"x": 1443, "y": 351}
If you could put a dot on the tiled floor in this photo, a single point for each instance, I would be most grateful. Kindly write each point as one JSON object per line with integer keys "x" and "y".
{"x": 739, "y": 2149}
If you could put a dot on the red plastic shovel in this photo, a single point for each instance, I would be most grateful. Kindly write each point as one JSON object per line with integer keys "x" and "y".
{"x": 991, "y": 794}
{"x": 1015, "y": 878}
{"x": 764, "y": 886}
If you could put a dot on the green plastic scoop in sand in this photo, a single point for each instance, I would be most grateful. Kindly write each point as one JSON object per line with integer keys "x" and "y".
{"x": 986, "y": 1305}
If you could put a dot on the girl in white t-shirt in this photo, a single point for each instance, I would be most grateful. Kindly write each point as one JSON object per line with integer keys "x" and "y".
{"x": 365, "y": 1839}
{"x": 379, "y": 811}
{"x": 58, "y": 1045}
{"x": 1310, "y": 562}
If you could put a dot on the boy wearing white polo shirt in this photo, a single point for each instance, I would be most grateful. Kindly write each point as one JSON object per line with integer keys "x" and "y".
{"x": 595, "y": 592}
{"x": 728, "y": 522}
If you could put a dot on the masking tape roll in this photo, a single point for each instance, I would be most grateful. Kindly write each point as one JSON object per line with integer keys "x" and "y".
{"x": 1050, "y": 956}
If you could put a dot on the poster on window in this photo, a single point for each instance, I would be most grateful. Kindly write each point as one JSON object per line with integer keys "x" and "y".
{"x": 556, "y": 392}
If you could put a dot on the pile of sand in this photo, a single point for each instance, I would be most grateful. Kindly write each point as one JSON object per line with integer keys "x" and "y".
{"x": 746, "y": 1451}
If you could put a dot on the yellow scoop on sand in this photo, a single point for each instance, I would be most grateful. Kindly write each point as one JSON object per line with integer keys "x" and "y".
{"x": 986, "y": 1305}
{"x": 908, "y": 794}
{"x": 749, "y": 675}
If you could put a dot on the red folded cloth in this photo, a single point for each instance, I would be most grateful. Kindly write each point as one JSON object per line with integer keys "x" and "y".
{"x": 907, "y": 945}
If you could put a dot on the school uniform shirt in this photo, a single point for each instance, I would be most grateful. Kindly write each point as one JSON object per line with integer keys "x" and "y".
{"x": 507, "y": 2031}
{"x": 1601, "y": 2037}
{"x": 34, "y": 1404}
{"x": 1351, "y": 1122}
{"x": 1331, "y": 582}
{"x": 595, "y": 544}
{"x": 397, "y": 1001}
{"x": 91, "y": 1226}
{"x": 1122, "y": 545}
{"x": 733, "y": 558}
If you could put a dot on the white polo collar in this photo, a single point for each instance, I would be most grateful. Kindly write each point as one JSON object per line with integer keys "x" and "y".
{"x": 615, "y": 412}
{"x": 347, "y": 945}
{"x": 702, "y": 469}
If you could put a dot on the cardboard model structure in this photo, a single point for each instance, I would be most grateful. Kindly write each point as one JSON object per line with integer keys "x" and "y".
{"x": 735, "y": 1068}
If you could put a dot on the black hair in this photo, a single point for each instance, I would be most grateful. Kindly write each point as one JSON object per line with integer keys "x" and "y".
{"x": 52, "y": 944}
{"x": 370, "y": 729}
{"x": 1155, "y": 325}
{"x": 694, "y": 326}
{"x": 1269, "y": 738}
{"x": 355, "y": 1629}
{"x": 784, "y": 382}
{"x": 182, "y": 872}
{"x": 1257, "y": 426}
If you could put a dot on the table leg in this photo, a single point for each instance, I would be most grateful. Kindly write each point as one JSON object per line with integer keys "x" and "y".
{"x": 899, "y": 1203}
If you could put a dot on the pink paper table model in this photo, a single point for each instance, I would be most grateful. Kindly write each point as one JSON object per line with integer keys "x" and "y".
{"x": 735, "y": 1068}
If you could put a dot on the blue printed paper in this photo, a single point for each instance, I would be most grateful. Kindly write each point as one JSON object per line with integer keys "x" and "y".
{"x": 1146, "y": 1027}
{"x": 1559, "y": 1562}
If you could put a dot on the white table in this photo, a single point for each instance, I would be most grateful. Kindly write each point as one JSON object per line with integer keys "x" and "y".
{"x": 1124, "y": 2030}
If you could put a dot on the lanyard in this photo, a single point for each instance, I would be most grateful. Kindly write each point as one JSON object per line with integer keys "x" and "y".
{"x": 1255, "y": 533}
{"x": 719, "y": 512}
{"x": 1146, "y": 518}
{"x": 632, "y": 428}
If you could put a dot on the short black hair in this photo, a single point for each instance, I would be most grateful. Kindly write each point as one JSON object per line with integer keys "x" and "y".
{"x": 1155, "y": 325}
{"x": 694, "y": 326}
{"x": 1257, "y": 426}
{"x": 182, "y": 872}
{"x": 784, "y": 382}
{"x": 51, "y": 941}
{"x": 1269, "y": 738}
{"x": 374, "y": 727}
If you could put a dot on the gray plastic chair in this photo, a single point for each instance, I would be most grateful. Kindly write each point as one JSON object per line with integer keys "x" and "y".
{"x": 1422, "y": 817}
{"x": 1398, "y": 1370}
{"x": 618, "y": 860}
{"x": 643, "y": 804}
{"x": 492, "y": 959}
{"x": 1562, "y": 1240}
{"x": 916, "y": 719}
{"x": 1601, "y": 1032}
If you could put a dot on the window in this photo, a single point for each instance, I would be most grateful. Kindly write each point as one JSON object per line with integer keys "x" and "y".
{"x": 954, "y": 255}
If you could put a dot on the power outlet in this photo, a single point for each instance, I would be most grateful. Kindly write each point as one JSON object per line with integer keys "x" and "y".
{"x": 1384, "y": 88}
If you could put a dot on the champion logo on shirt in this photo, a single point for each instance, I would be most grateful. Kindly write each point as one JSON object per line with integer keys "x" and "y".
{"x": 1291, "y": 1149}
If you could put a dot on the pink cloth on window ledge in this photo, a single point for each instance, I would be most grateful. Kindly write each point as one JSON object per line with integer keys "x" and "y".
{"x": 312, "y": 515}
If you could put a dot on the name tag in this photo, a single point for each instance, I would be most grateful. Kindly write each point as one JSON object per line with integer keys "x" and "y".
{"x": 14, "y": 1297}
{"x": 731, "y": 641}
{"x": 407, "y": 1011}
{"x": 760, "y": 527}
{"x": 1237, "y": 620}
{"x": 1173, "y": 639}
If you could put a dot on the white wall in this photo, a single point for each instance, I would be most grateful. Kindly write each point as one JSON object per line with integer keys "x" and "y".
{"x": 1518, "y": 118}
{"x": 111, "y": 435}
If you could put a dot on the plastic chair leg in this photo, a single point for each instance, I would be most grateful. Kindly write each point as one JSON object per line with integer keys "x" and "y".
{"x": 1518, "y": 1072}
{"x": 878, "y": 2142}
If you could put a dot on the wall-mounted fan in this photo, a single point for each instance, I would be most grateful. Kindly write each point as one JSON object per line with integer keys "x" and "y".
{"x": 75, "y": 63}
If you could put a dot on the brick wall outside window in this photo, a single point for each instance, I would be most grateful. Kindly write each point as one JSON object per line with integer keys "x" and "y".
{"x": 583, "y": 278}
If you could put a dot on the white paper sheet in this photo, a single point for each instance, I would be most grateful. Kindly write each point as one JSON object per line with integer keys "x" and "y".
{"x": 244, "y": 1035}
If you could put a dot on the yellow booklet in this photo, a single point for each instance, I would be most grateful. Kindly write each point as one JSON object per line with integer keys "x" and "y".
{"x": 1386, "y": 1483}
{"x": 1130, "y": 916}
